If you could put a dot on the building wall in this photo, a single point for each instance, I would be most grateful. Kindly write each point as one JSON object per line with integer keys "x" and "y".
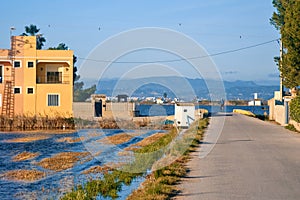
{"x": 24, "y": 50}
{"x": 65, "y": 105}
{"x": 83, "y": 110}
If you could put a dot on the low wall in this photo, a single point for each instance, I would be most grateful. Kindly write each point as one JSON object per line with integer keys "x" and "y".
{"x": 83, "y": 110}
{"x": 271, "y": 104}
{"x": 86, "y": 110}
{"x": 279, "y": 114}
{"x": 122, "y": 110}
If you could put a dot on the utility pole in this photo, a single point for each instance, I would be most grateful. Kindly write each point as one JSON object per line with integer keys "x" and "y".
{"x": 281, "y": 79}
{"x": 11, "y": 30}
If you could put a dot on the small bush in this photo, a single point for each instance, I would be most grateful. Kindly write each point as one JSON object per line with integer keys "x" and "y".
{"x": 291, "y": 128}
{"x": 295, "y": 109}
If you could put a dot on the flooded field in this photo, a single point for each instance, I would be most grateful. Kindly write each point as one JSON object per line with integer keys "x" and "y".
{"x": 45, "y": 166}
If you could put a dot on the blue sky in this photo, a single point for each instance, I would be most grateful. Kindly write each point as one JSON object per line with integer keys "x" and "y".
{"x": 217, "y": 25}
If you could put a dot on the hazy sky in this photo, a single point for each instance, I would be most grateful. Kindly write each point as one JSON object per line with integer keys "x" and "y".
{"x": 217, "y": 25}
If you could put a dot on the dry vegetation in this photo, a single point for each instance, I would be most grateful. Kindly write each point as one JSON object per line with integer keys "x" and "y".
{"x": 24, "y": 175}
{"x": 25, "y": 123}
{"x": 97, "y": 169}
{"x": 97, "y": 153}
{"x": 138, "y": 122}
{"x": 70, "y": 139}
{"x": 137, "y": 133}
{"x": 147, "y": 141}
{"x": 62, "y": 161}
{"x": 25, "y": 156}
{"x": 93, "y": 134}
{"x": 116, "y": 124}
{"x": 125, "y": 153}
{"x": 115, "y": 165}
{"x": 116, "y": 139}
{"x": 27, "y": 139}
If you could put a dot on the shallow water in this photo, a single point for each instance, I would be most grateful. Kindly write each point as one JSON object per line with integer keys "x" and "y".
{"x": 55, "y": 184}
{"x": 163, "y": 110}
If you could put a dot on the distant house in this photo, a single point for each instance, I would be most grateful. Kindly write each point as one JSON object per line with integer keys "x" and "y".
{"x": 35, "y": 82}
{"x": 122, "y": 98}
{"x": 184, "y": 114}
{"x": 150, "y": 99}
{"x": 159, "y": 101}
{"x": 256, "y": 101}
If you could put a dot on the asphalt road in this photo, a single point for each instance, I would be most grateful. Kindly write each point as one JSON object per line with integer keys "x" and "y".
{"x": 252, "y": 159}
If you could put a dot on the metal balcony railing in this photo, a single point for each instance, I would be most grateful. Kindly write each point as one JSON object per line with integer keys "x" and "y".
{"x": 53, "y": 79}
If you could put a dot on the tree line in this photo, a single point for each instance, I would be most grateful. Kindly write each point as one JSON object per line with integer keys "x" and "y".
{"x": 286, "y": 19}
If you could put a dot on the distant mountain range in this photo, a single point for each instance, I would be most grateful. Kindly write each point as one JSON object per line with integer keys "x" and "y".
{"x": 184, "y": 88}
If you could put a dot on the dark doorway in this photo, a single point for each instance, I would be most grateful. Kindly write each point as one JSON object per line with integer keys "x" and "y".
{"x": 122, "y": 98}
{"x": 98, "y": 108}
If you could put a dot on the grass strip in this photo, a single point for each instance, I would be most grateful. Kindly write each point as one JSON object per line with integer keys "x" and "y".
{"x": 161, "y": 183}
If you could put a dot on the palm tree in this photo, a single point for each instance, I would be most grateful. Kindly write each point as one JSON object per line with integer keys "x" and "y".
{"x": 32, "y": 30}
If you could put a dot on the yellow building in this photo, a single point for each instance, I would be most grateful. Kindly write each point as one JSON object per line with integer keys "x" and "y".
{"x": 35, "y": 82}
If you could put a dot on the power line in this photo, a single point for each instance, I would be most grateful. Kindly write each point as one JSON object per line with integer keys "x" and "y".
{"x": 181, "y": 59}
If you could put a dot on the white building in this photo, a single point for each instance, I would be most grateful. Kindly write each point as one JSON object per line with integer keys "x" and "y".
{"x": 256, "y": 101}
{"x": 184, "y": 114}
{"x": 159, "y": 101}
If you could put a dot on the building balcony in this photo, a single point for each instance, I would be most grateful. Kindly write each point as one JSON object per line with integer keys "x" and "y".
{"x": 53, "y": 79}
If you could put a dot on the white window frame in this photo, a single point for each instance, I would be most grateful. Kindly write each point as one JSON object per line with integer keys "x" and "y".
{"x": 28, "y": 88}
{"x": 2, "y": 74}
{"x": 47, "y": 100}
{"x": 19, "y": 88}
{"x": 32, "y": 62}
{"x": 17, "y": 61}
